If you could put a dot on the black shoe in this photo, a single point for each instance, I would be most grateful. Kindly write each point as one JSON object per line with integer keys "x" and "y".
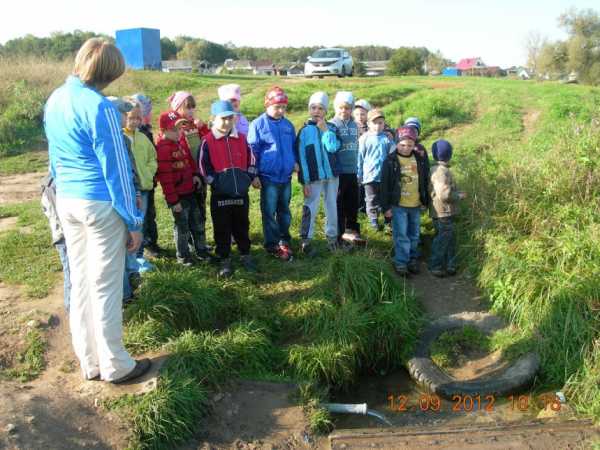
{"x": 413, "y": 266}
{"x": 450, "y": 272}
{"x": 128, "y": 300}
{"x": 135, "y": 279}
{"x": 226, "y": 268}
{"x": 248, "y": 263}
{"x": 153, "y": 250}
{"x": 141, "y": 367}
{"x": 185, "y": 262}
{"x": 204, "y": 256}
{"x": 307, "y": 249}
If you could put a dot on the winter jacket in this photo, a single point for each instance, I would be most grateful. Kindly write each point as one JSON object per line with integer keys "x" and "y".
{"x": 242, "y": 124}
{"x": 88, "y": 158}
{"x": 443, "y": 192}
{"x": 49, "y": 207}
{"x": 176, "y": 170}
{"x": 316, "y": 153}
{"x": 391, "y": 181}
{"x": 348, "y": 154}
{"x": 372, "y": 151}
{"x": 272, "y": 142}
{"x": 144, "y": 158}
{"x": 227, "y": 163}
{"x": 422, "y": 151}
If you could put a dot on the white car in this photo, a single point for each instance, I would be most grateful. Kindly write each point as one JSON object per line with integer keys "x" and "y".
{"x": 329, "y": 61}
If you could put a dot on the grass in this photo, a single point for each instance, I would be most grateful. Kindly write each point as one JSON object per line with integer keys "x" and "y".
{"x": 529, "y": 234}
{"x": 449, "y": 348}
{"x": 31, "y": 360}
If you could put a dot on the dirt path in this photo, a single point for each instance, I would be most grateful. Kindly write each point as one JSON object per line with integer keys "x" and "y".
{"x": 50, "y": 412}
{"x": 20, "y": 188}
{"x": 530, "y": 119}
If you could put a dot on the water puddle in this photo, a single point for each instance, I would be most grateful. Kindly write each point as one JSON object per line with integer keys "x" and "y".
{"x": 404, "y": 403}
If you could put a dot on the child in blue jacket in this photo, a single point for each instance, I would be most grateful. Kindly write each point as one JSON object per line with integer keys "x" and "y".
{"x": 373, "y": 148}
{"x": 316, "y": 147}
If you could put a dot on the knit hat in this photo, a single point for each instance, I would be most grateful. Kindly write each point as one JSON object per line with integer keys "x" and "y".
{"x": 441, "y": 150}
{"x": 413, "y": 122}
{"x": 406, "y": 133}
{"x": 177, "y": 99}
{"x": 362, "y": 103}
{"x": 120, "y": 104}
{"x": 144, "y": 102}
{"x": 169, "y": 120}
{"x": 222, "y": 108}
{"x": 343, "y": 97}
{"x": 275, "y": 96}
{"x": 319, "y": 98}
{"x": 374, "y": 114}
{"x": 230, "y": 92}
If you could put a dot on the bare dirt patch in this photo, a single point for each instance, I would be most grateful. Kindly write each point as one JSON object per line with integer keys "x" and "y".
{"x": 255, "y": 415}
{"x": 20, "y": 188}
{"x": 8, "y": 223}
{"x": 48, "y": 412}
{"x": 530, "y": 119}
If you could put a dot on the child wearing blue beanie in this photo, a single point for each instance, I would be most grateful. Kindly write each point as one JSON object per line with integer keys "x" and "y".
{"x": 442, "y": 208}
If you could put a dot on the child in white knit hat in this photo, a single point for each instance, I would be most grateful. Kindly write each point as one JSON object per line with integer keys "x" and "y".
{"x": 317, "y": 145}
{"x": 231, "y": 93}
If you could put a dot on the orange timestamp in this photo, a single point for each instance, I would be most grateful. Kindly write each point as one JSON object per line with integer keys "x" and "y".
{"x": 469, "y": 403}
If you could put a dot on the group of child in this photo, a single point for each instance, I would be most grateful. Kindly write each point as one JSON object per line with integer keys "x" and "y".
{"x": 354, "y": 155}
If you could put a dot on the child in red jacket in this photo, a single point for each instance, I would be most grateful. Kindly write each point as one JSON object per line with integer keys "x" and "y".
{"x": 178, "y": 176}
{"x": 228, "y": 167}
{"x": 191, "y": 133}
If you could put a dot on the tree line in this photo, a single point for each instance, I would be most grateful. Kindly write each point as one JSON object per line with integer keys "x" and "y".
{"x": 579, "y": 53}
{"x": 61, "y": 45}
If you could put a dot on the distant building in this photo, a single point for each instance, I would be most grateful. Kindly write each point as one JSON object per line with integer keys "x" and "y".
{"x": 140, "y": 48}
{"x": 476, "y": 67}
{"x": 263, "y": 67}
{"x": 177, "y": 65}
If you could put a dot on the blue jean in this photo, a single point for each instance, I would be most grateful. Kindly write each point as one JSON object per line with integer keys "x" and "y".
{"x": 131, "y": 266}
{"x": 61, "y": 247}
{"x": 275, "y": 209}
{"x": 145, "y": 196}
{"x": 406, "y": 223}
{"x": 443, "y": 247}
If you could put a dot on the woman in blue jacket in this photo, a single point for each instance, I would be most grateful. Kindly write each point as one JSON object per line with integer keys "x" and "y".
{"x": 97, "y": 208}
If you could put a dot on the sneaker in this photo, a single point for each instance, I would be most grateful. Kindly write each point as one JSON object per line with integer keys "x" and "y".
{"x": 226, "y": 268}
{"x": 353, "y": 238}
{"x": 135, "y": 279}
{"x": 153, "y": 250}
{"x": 450, "y": 272}
{"x": 141, "y": 367}
{"x": 307, "y": 248}
{"x": 145, "y": 265}
{"x": 413, "y": 266}
{"x": 185, "y": 262}
{"x": 401, "y": 270}
{"x": 283, "y": 252}
{"x": 204, "y": 255}
{"x": 436, "y": 272}
{"x": 248, "y": 263}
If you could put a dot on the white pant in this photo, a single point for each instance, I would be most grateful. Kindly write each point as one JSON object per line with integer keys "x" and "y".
{"x": 310, "y": 209}
{"x": 96, "y": 238}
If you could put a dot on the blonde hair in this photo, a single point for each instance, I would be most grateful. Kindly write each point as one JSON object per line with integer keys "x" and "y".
{"x": 98, "y": 63}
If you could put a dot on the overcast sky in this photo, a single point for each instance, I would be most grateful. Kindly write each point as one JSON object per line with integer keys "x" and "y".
{"x": 492, "y": 29}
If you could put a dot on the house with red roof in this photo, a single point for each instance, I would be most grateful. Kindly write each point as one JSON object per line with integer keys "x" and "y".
{"x": 475, "y": 66}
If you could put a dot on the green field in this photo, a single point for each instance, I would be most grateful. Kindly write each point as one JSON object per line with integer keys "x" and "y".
{"x": 528, "y": 155}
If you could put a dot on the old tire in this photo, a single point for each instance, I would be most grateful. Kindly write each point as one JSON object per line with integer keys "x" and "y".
{"x": 515, "y": 378}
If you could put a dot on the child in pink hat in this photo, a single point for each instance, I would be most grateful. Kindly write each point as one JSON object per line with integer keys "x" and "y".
{"x": 231, "y": 93}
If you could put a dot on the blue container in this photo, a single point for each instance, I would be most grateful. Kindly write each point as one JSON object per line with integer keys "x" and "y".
{"x": 140, "y": 48}
{"x": 451, "y": 72}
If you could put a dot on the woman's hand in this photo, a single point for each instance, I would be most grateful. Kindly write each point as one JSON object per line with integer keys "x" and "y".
{"x": 134, "y": 241}
{"x": 306, "y": 190}
{"x": 388, "y": 214}
{"x": 177, "y": 207}
{"x": 256, "y": 183}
